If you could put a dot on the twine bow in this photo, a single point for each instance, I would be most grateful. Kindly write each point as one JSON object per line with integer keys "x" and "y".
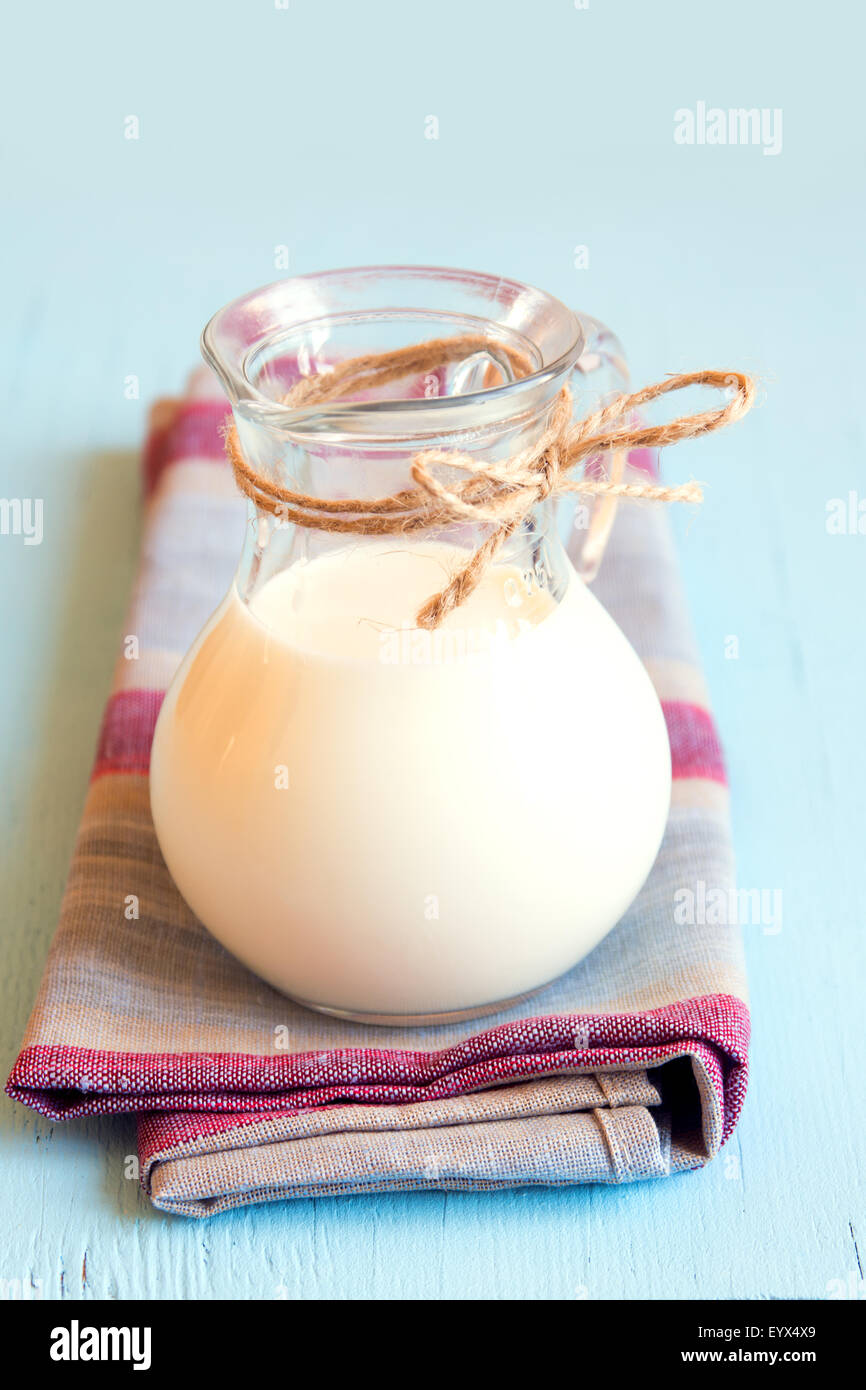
{"x": 501, "y": 494}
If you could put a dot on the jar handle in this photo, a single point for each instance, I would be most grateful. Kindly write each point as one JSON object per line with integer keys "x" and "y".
{"x": 602, "y": 358}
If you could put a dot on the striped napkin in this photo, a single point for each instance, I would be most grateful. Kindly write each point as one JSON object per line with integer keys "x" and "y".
{"x": 632, "y": 1066}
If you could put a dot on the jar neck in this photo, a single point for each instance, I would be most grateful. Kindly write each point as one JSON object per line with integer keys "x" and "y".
{"x": 340, "y": 468}
{"x": 272, "y": 546}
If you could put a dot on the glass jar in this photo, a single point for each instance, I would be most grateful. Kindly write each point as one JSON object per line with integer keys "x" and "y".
{"x": 388, "y": 823}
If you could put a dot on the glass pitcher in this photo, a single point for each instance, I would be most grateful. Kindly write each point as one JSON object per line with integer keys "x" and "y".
{"x": 387, "y": 823}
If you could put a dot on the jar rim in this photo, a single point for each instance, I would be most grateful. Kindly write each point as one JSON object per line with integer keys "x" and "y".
{"x": 240, "y": 331}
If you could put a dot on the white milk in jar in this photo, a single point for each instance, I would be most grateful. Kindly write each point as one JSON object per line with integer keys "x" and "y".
{"x": 386, "y": 821}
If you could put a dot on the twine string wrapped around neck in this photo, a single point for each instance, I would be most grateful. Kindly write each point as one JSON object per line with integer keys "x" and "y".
{"x": 500, "y": 494}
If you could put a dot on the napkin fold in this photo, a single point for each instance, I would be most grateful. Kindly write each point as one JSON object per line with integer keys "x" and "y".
{"x": 632, "y": 1066}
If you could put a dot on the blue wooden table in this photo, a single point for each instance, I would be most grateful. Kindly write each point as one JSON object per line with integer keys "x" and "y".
{"x": 537, "y": 139}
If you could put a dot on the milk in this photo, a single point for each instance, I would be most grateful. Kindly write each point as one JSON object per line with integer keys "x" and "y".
{"x": 384, "y": 821}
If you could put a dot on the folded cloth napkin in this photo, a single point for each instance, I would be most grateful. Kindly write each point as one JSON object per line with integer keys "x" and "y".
{"x": 631, "y": 1066}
